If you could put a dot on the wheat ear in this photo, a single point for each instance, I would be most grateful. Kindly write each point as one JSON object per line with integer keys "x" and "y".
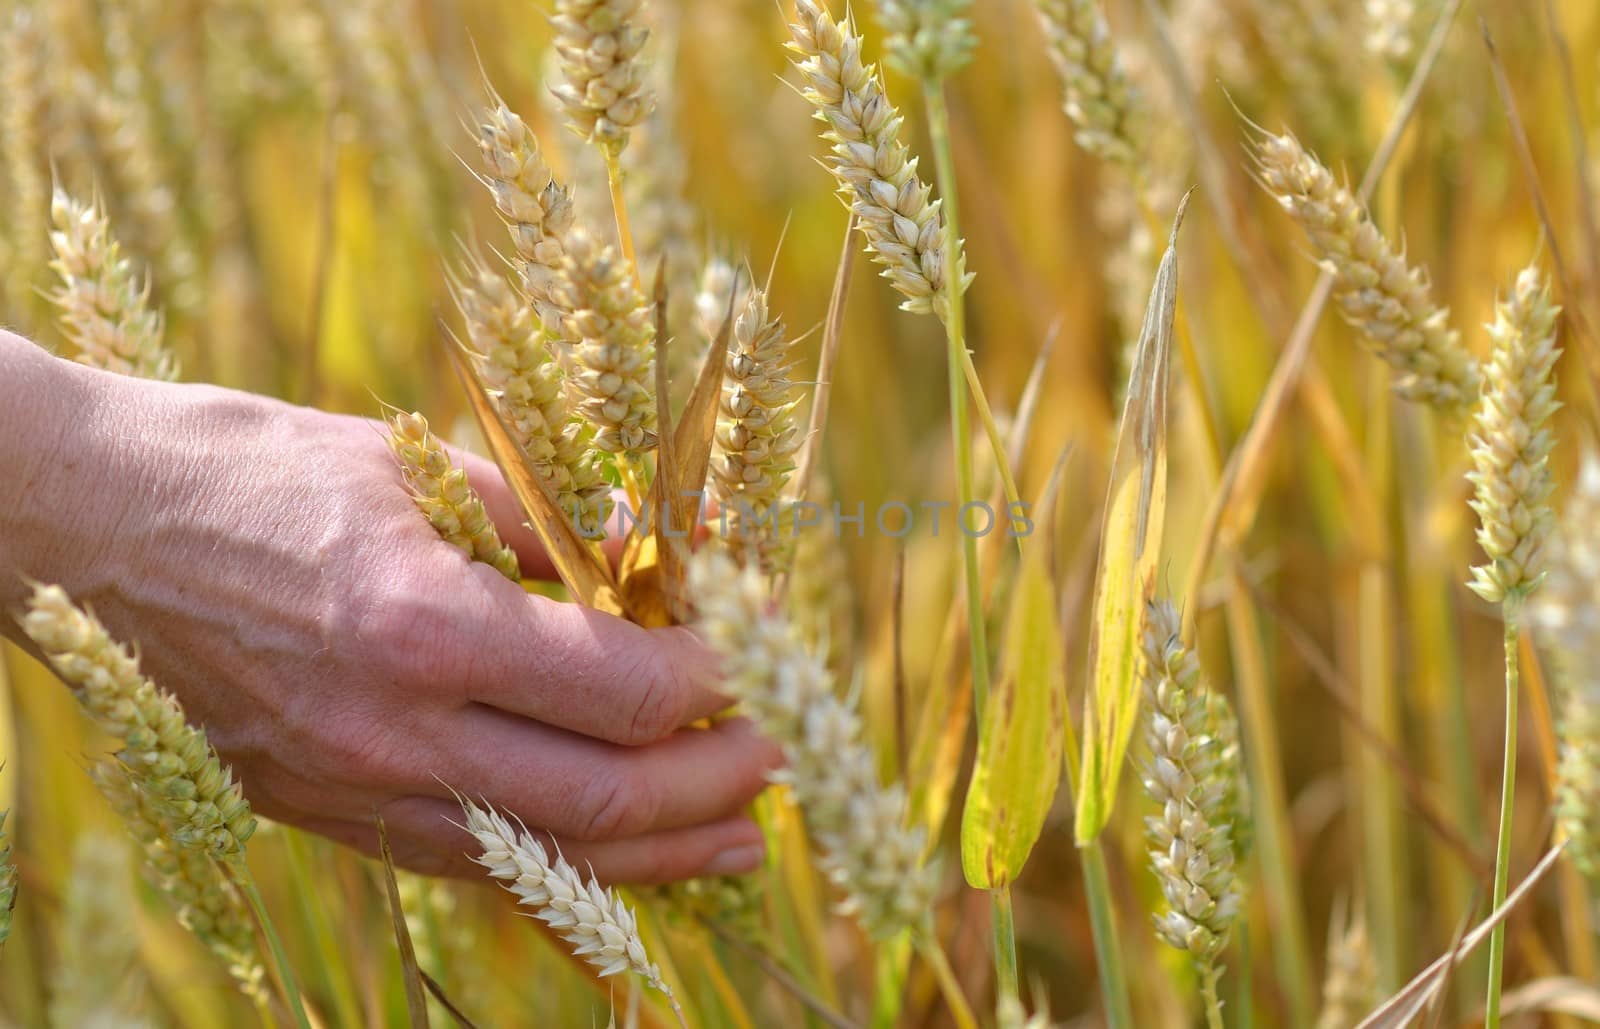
{"x": 1566, "y": 611}
{"x": 603, "y": 84}
{"x": 167, "y": 759}
{"x": 104, "y": 303}
{"x": 205, "y": 900}
{"x": 441, "y": 492}
{"x": 1100, "y": 97}
{"x": 537, "y": 209}
{"x": 877, "y": 176}
{"x": 1347, "y": 988}
{"x": 1390, "y": 303}
{"x": 1194, "y": 775}
{"x": 928, "y": 40}
{"x": 757, "y": 435}
{"x": 613, "y": 335}
{"x": 97, "y": 981}
{"x": 860, "y": 825}
{"x": 1510, "y": 449}
{"x": 1510, "y": 443}
{"x": 601, "y": 928}
{"x": 530, "y": 390}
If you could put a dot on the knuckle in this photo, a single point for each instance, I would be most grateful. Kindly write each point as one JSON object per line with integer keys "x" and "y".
{"x": 615, "y": 805}
{"x": 352, "y": 748}
{"x": 410, "y": 632}
{"x": 662, "y": 704}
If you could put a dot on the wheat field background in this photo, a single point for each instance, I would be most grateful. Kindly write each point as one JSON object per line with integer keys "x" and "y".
{"x": 299, "y": 178}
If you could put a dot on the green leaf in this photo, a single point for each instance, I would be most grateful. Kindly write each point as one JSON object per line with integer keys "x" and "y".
{"x": 1024, "y": 728}
{"x": 1130, "y": 546}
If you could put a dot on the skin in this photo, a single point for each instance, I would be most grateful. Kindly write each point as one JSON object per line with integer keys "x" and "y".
{"x": 343, "y": 659}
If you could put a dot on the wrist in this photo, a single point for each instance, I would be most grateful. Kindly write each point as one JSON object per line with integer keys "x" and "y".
{"x": 63, "y": 483}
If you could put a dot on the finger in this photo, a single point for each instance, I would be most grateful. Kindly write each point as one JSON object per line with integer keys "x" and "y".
{"x": 578, "y": 668}
{"x": 505, "y": 511}
{"x": 425, "y": 835}
{"x": 585, "y": 789}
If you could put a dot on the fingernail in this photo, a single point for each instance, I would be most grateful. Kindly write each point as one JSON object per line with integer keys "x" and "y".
{"x": 736, "y": 860}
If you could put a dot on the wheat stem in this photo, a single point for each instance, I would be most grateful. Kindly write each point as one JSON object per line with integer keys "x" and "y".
{"x": 291, "y": 987}
{"x": 619, "y": 207}
{"x": 1107, "y": 951}
{"x": 961, "y": 434}
{"x": 949, "y": 986}
{"x": 1502, "y": 854}
{"x": 1208, "y": 991}
{"x": 1005, "y": 942}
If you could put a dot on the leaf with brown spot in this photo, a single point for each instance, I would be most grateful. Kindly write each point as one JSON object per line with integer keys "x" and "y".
{"x": 1130, "y": 547}
{"x": 1022, "y": 737}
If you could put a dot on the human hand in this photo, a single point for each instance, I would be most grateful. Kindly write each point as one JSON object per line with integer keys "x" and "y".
{"x": 343, "y": 658}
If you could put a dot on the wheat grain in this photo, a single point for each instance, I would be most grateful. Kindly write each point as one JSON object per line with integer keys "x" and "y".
{"x": 1510, "y": 443}
{"x": 859, "y": 825}
{"x": 167, "y": 758}
{"x": 603, "y": 85}
{"x": 612, "y": 332}
{"x": 757, "y": 435}
{"x": 877, "y": 176}
{"x": 441, "y": 492}
{"x": 105, "y": 305}
{"x": 1390, "y": 303}
{"x": 1192, "y": 774}
{"x": 927, "y": 39}
{"x": 594, "y": 920}
{"x": 537, "y": 209}
{"x": 1100, "y": 97}
{"x": 528, "y": 387}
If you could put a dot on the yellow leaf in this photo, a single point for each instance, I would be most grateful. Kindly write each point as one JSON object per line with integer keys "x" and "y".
{"x": 583, "y": 570}
{"x": 1130, "y": 546}
{"x": 1021, "y": 738}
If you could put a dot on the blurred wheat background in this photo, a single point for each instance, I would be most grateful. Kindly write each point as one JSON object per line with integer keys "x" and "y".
{"x": 297, "y": 177}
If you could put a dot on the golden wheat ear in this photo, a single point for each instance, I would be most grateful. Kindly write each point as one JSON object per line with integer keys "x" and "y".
{"x": 596, "y": 922}
{"x": 786, "y": 689}
{"x": 603, "y": 84}
{"x": 1388, "y": 301}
